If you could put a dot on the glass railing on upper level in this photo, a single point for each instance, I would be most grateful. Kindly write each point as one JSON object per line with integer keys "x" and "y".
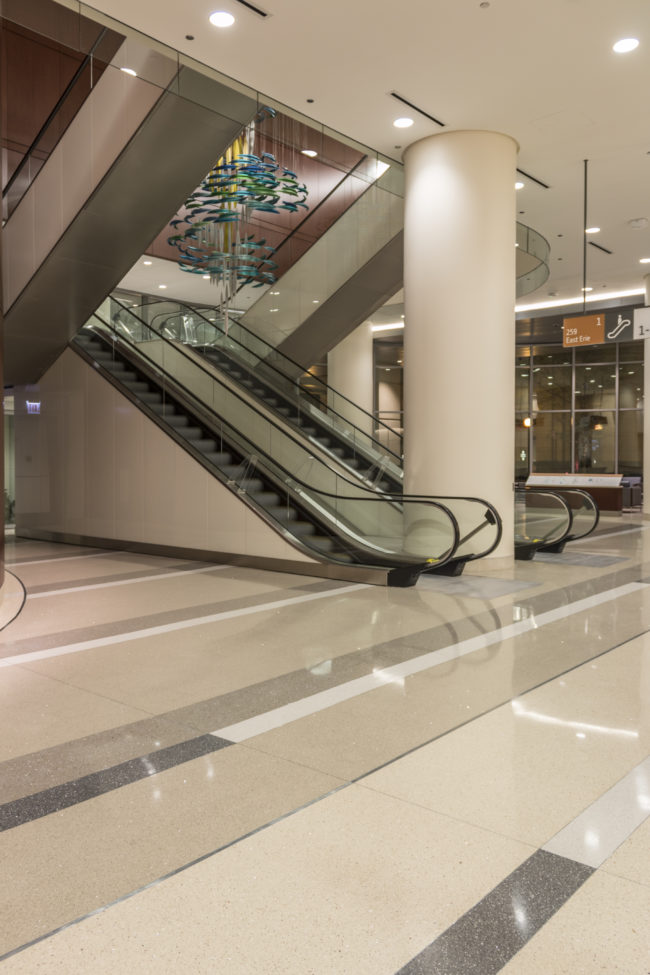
{"x": 82, "y": 82}
{"x": 533, "y": 260}
{"x": 252, "y": 362}
{"x": 289, "y": 469}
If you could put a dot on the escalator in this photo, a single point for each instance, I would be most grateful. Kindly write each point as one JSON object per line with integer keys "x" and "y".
{"x": 544, "y": 521}
{"x": 335, "y": 522}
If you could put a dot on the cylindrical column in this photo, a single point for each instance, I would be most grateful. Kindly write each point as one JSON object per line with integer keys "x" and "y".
{"x": 459, "y": 289}
{"x": 350, "y": 371}
{"x": 646, "y": 412}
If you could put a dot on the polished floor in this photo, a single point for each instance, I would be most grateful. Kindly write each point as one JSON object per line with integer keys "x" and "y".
{"x": 209, "y": 769}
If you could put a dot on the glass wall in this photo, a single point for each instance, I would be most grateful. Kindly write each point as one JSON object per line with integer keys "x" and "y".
{"x": 579, "y": 410}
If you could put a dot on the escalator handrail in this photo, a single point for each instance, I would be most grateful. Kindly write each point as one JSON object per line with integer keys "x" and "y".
{"x": 302, "y": 369}
{"x": 591, "y": 502}
{"x": 543, "y": 542}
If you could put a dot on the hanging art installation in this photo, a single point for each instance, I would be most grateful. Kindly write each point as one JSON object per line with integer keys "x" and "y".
{"x": 214, "y": 236}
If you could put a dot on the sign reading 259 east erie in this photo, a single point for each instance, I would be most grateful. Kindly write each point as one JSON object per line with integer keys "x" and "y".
{"x": 606, "y": 327}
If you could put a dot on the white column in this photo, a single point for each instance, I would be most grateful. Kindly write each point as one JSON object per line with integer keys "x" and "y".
{"x": 646, "y": 412}
{"x": 459, "y": 286}
{"x": 350, "y": 371}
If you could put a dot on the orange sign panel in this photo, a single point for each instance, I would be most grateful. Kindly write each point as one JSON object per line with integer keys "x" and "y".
{"x": 587, "y": 330}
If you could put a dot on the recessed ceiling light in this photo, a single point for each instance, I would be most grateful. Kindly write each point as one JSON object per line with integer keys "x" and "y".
{"x": 129, "y": 71}
{"x": 519, "y": 185}
{"x": 274, "y": 309}
{"x": 403, "y": 123}
{"x": 644, "y": 260}
{"x": 221, "y": 18}
{"x": 147, "y": 262}
{"x": 625, "y": 45}
{"x": 592, "y": 230}
{"x": 586, "y": 289}
{"x": 162, "y": 286}
{"x": 206, "y": 277}
{"x": 309, "y": 152}
{"x": 274, "y": 292}
{"x": 315, "y": 301}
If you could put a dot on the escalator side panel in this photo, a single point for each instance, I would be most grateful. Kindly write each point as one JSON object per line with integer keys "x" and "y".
{"x": 153, "y": 174}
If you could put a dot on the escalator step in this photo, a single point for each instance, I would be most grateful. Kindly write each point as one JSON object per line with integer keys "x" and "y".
{"x": 193, "y": 433}
{"x": 303, "y": 528}
{"x": 205, "y": 445}
{"x": 122, "y": 375}
{"x": 149, "y": 396}
{"x": 140, "y": 386}
{"x": 219, "y": 458}
{"x": 176, "y": 420}
{"x": 266, "y": 498}
{"x": 283, "y": 514}
{"x": 322, "y": 543}
{"x": 232, "y": 470}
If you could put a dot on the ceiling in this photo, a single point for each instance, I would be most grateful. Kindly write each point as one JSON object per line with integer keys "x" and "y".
{"x": 542, "y": 71}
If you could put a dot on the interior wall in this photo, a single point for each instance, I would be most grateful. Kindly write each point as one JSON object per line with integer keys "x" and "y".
{"x": 89, "y": 463}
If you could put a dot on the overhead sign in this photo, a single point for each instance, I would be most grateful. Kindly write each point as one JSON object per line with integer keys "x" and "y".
{"x": 606, "y": 327}
{"x": 586, "y": 330}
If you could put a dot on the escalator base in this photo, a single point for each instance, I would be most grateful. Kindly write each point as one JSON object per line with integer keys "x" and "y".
{"x": 362, "y": 574}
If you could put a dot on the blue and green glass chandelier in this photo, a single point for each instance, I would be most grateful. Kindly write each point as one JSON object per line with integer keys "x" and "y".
{"x": 214, "y": 237}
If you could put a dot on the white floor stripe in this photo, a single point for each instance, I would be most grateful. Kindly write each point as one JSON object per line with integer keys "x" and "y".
{"x": 66, "y": 558}
{"x": 596, "y": 833}
{"x": 278, "y": 717}
{"x": 125, "y": 582}
{"x": 25, "y": 658}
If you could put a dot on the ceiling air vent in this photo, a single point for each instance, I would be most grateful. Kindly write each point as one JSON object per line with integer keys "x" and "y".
{"x": 599, "y": 247}
{"x": 421, "y": 111}
{"x": 251, "y": 6}
{"x": 539, "y": 182}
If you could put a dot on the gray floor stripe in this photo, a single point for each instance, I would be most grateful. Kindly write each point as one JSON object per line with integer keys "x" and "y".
{"x": 85, "y": 554}
{"x": 117, "y": 627}
{"x": 119, "y": 577}
{"x": 60, "y": 797}
{"x": 484, "y": 939}
{"x": 590, "y": 559}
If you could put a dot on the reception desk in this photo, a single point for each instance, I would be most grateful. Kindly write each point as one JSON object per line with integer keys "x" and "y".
{"x": 605, "y": 489}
